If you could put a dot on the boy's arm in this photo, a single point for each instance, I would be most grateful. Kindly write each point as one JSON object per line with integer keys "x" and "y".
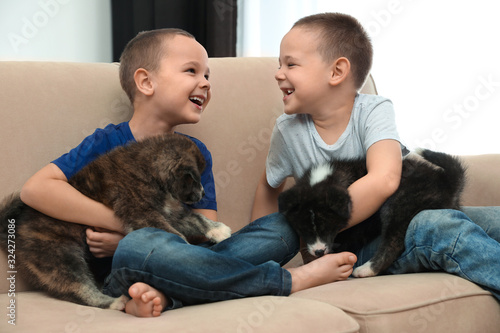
{"x": 208, "y": 213}
{"x": 384, "y": 164}
{"x": 266, "y": 198}
{"x": 49, "y": 192}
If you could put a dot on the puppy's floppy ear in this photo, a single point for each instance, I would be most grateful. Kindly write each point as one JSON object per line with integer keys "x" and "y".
{"x": 186, "y": 185}
{"x": 195, "y": 152}
{"x": 288, "y": 200}
{"x": 188, "y": 176}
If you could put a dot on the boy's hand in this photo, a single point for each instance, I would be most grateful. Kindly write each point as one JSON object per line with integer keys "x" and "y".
{"x": 102, "y": 243}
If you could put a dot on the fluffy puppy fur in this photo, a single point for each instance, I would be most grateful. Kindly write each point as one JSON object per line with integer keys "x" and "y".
{"x": 145, "y": 183}
{"x": 318, "y": 207}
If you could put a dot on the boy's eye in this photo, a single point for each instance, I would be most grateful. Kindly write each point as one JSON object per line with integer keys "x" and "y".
{"x": 287, "y": 65}
{"x": 191, "y": 70}
{"x": 207, "y": 77}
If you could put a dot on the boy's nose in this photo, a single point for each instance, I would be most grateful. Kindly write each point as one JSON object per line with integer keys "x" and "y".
{"x": 279, "y": 76}
{"x": 205, "y": 84}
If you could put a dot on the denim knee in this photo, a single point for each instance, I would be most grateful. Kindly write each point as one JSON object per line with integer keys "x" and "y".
{"x": 267, "y": 238}
{"x": 438, "y": 229}
{"x": 430, "y": 239}
{"x": 442, "y": 219}
{"x": 487, "y": 218}
{"x": 277, "y": 223}
{"x": 134, "y": 249}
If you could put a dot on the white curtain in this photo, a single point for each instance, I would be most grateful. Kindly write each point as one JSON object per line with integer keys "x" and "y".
{"x": 438, "y": 61}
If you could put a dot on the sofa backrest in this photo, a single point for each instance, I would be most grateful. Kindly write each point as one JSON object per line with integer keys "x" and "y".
{"x": 48, "y": 108}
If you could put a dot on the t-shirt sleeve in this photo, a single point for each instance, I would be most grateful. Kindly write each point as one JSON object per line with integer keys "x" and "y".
{"x": 278, "y": 164}
{"x": 380, "y": 124}
{"x": 88, "y": 150}
{"x": 98, "y": 143}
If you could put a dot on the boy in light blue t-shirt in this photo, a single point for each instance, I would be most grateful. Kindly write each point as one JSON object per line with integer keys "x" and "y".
{"x": 321, "y": 71}
{"x": 324, "y": 61}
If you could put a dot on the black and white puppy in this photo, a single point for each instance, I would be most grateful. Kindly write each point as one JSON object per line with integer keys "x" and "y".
{"x": 318, "y": 206}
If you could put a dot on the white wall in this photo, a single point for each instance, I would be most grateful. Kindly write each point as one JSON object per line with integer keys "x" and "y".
{"x": 439, "y": 62}
{"x": 63, "y": 30}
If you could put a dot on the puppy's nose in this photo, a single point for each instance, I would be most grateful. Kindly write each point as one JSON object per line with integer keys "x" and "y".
{"x": 319, "y": 253}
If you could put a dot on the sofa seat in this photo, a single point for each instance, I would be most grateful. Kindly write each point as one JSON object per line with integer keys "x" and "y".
{"x": 39, "y": 313}
{"x": 412, "y": 303}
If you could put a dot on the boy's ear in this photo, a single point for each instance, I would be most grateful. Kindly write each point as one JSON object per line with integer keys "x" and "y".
{"x": 340, "y": 70}
{"x": 143, "y": 82}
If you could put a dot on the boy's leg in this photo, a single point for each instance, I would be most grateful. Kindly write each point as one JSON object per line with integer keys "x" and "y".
{"x": 192, "y": 273}
{"x": 259, "y": 249}
{"x": 265, "y": 239}
{"x": 271, "y": 238}
{"x": 487, "y": 218}
{"x": 447, "y": 240}
{"x": 196, "y": 274}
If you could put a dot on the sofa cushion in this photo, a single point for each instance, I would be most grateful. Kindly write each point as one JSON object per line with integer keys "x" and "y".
{"x": 424, "y": 302}
{"x": 39, "y": 313}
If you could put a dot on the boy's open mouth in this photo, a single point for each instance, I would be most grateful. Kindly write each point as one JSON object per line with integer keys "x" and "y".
{"x": 287, "y": 92}
{"x": 197, "y": 100}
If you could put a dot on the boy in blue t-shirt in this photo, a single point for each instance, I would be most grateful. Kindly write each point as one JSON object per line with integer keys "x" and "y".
{"x": 324, "y": 60}
{"x": 165, "y": 75}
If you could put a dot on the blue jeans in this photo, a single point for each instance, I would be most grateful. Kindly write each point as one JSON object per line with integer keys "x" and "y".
{"x": 448, "y": 240}
{"x": 246, "y": 264}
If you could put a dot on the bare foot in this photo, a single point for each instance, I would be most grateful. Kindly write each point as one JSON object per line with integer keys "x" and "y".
{"x": 329, "y": 268}
{"x": 146, "y": 301}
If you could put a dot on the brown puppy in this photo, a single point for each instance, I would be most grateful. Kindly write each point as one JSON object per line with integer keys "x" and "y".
{"x": 145, "y": 183}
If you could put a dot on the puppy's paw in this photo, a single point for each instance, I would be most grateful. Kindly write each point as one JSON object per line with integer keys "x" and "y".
{"x": 364, "y": 271}
{"x": 219, "y": 233}
{"x": 119, "y": 303}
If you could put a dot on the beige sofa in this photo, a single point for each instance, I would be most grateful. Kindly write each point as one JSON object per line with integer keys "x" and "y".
{"x": 48, "y": 108}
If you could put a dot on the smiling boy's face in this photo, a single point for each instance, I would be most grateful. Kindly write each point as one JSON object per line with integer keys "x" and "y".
{"x": 181, "y": 87}
{"x": 303, "y": 75}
